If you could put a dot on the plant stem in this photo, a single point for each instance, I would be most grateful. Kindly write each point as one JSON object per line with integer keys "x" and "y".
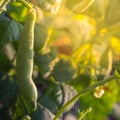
{"x": 89, "y": 89}
{"x": 26, "y": 4}
{"x": 82, "y": 114}
{"x": 2, "y": 7}
{"x": 23, "y": 101}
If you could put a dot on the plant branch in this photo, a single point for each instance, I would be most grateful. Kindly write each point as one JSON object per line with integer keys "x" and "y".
{"x": 82, "y": 114}
{"x": 26, "y": 4}
{"x": 89, "y": 89}
{"x": 2, "y": 7}
{"x": 24, "y": 103}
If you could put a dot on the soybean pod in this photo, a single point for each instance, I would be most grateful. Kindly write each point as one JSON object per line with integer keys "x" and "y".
{"x": 24, "y": 63}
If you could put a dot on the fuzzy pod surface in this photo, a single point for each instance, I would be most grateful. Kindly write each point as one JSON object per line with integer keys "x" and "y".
{"x": 24, "y": 63}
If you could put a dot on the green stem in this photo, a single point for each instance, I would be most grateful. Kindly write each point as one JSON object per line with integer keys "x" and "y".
{"x": 83, "y": 114}
{"x": 89, "y": 89}
{"x": 23, "y": 101}
{"x": 26, "y": 4}
{"x": 4, "y": 4}
{"x": 47, "y": 40}
{"x": 82, "y": 6}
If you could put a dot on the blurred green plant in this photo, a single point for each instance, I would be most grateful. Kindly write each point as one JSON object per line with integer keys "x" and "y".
{"x": 76, "y": 55}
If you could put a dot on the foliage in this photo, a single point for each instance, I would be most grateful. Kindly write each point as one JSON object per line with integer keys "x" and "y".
{"x": 76, "y": 58}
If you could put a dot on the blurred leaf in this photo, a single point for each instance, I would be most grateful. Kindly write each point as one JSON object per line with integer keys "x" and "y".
{"x": 98, "y": 104}
{"x": 4, "y": 62}
{"x": 34, "y": 2}
{"x": 77, "y": 49}
{"x": 17, "y": 11}
{"x": 71, "y": 3}
{"x": 99, "y": 46}
{"x": 116, "y": 67}
{"x": 83, "y": 79}
{"x": 19, "y": 108}
{"x": 42, "y": 30}
{"x": 79, "y": 6}
{"x": 42, "y": 113}
{"x": 65, "y": 93}
{"x": 49, "y": 102}
{"x": 115, "y": 42}
{"x": 112, "y": 13}
{"x": 45, "y": 62}
{"x": 102, "y": 5}
{"x": 1, "y": 2}
{"x": 7, "y": 93}
{"x": 80, "y": 52}
{"x": 77, "y": 31}
{"x": 106, "y": 63}
{"x": 8, "y": 89}
{"x": 64, "y": 71}
{"x": 9, "y": 30}
{"x": 41, "y": 35}
{"x": 82, "y": 6}
{"x": 99, "y": 13}
{"x": 57, "y": 95}
{"x": 63, "y": 44}
{"x": 47, "y": 98}
{"x": 51, "y": 6}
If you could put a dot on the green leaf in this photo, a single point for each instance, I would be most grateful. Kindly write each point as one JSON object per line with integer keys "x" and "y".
{"x": 64, "y": 94}
{"x": 8, "y": 89}
{"x": 83, "y": 79}
{"x": 5, "y": 115}
{"x": 116, "y": 66}
{"x": 9, "y": 30}
{"x": 64, "y": 71}
{"x": 45, "y": 62}
{"x": 57, "y": 95}
{"x": 80, "y": 52}
{"x": 19, "y": 109}
{"x": 7, "y": 96}
{"x": 17, "y": 11}
{"x": 102, "y": 106}
{"x": 41, "y": 35}
{"x": 49, "y": 101}
{"x": 42, "y": 113}
{"x": 4, "y": 62}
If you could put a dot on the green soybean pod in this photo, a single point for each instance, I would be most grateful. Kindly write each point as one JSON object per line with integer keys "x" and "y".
{"x": 24, "y": 63}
